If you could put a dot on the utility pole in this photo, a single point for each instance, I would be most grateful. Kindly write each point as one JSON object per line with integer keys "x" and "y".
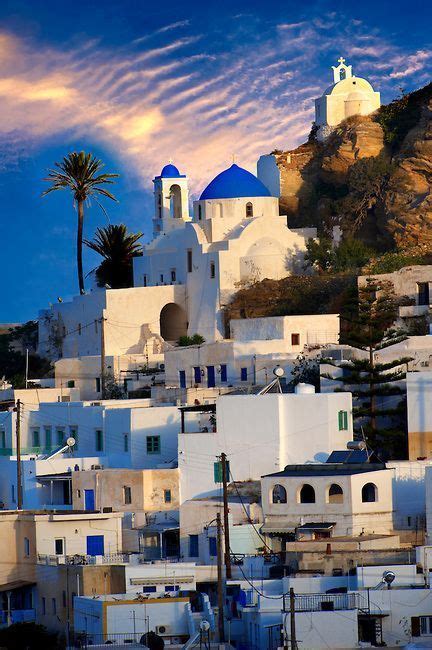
{"x": 220, "y": 586}
{"x": 102, "y": 356}
{"x": 18, "y": 454}
{"x": 226, "y": 523}
{"x": 294, "y": 645}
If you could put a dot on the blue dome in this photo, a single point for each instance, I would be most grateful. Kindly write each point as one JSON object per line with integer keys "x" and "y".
{"x": 170, "y": 171}
{"x": 234, "y": 182}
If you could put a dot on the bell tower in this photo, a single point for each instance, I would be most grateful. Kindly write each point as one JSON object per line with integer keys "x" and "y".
{"x": 341, "y": 71}
{"x": 171, "y": 197}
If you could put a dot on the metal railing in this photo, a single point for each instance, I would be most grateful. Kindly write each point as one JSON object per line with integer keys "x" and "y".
{"x": 323, "y": 602}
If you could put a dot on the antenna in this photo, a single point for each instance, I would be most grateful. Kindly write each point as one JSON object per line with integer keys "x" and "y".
{"x": 70, "y": 442}
{"x": 275, "y": 383}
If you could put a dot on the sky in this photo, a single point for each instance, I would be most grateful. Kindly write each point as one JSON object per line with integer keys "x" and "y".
{"x": 140, "y": 83}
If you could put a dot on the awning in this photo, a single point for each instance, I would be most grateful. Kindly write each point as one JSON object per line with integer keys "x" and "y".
{"x": 155, "y": 529}
{"x": 276, "y": 527}
{"x": 63, "y": 476}
{"x": 324, "y": 525}
{"x": 168, "y": 580}
{"x": 16, "y": 584}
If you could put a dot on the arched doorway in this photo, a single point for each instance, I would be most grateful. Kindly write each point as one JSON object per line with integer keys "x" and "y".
{"x": 173, "y": 322}
{"x": 175, "y": 201}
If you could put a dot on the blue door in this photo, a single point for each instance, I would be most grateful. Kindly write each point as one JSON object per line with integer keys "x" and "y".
{"x": 95, "y": 544}
{"x": 182, "y": 377}
{"x": 211, "y": 377}
{"x": 89, "y": 501}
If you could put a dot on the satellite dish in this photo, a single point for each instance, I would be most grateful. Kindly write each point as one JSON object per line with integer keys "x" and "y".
{"x": 204, "y": 626}
{"x": 278, "y": 372}
{"x": 388, "y": 577}
{"x": 70, "y": 442}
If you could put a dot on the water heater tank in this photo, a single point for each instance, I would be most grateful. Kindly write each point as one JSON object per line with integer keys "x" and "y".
{"x": 303, "y": 389}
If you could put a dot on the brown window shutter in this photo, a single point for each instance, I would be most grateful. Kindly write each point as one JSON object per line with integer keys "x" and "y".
{"x": 415, "y": 625}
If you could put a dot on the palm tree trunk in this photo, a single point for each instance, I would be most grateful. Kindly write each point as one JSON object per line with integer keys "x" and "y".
{"x": 79, "y": 245}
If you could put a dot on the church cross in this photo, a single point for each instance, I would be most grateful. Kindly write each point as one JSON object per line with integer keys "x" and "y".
{"x": 341, "y": 60}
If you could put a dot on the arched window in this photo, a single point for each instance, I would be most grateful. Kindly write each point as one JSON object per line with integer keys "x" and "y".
{"x": 249, "y": 209}
{"x": 335, "y": 493}
{"x": 175, "y": 201}
{"x": 369, "y": 493}
{"x": 279, "y": 494}
{"x": 307, "y": 494}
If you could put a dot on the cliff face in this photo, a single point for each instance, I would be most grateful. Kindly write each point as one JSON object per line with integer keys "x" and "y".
{"x": 372, "y": 176}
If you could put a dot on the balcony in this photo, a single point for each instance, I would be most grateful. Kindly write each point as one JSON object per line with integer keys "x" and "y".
{"x": 17, "y": 616}
{"x": 325, "y": 602}
{"x": 87, "y": 560}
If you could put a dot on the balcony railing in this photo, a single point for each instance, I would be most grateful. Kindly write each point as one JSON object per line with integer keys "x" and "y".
{"x": 324, "y": 602}
{"x": 83, "y": 560}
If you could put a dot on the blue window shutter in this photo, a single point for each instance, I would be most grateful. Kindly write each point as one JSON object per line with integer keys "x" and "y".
{"x": 193, "y": 546}
{"x": 224, "y": 372}
{"x": 212, "y": 546}
{"x": 211, "y": 382}
{"x": 95, "y": 545}
{"x": 182, "y": 378}
{"x": 197, "y": 374}
{"x": 243, "y": 374}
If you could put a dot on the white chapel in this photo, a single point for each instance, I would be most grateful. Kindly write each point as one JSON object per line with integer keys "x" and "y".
{"x": 347, "y": 96}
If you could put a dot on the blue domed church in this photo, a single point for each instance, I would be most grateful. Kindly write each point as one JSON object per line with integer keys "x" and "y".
{"x": 195, "y": 263}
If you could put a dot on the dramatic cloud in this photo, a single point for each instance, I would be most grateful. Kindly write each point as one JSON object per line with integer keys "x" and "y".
{"x": 178, "y": 96}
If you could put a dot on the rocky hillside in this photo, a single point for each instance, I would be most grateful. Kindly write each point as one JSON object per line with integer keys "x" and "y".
{"x": 373, "y": 176}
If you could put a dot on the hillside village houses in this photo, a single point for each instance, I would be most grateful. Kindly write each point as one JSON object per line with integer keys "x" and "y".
{"x": 121, "y": 516}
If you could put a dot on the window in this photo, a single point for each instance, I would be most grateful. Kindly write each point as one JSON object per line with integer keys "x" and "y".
{"x": 212, "y": 270}
{"x": 423, "y": 293}
{"x": 173, "y": 275}
{"x": 193, "y": 546}
{"x": 2, "y": 438}
{"x": 189, "y": 261}
{"x": 409, "y": 522}
{"x": 223, "y": 372}
{"x": 36, "y": 438}
{"x": 59, "y": 546}
{"x": 369, "y": 493}
{"x": 54, "y": 605}
{"x": 43, "y": 601}
{"x": 98, "y": 384}
{"x": 125, "y": 442}
{"x": 243, "y": 374}
{"x": 197, "y": 374}
{"x": 71, "y": 383}
{"x": 145, "y": 280}
{"x": 343, "y": 420}
{"x": 425, "y": 625}
{"x": 149, "y": 589}
{"x": 307, "y": 494}
{"x": 172, "y": 588}
{"x": 127, "y": 495}
{"x": 295, "y": 339}
{"x": 78, "y": 493}
{"x": 279, "y": 494}
{"x": 48, "y": 441}
{"x": 60, "y": 437}
{"x": 153, "y": 444}
{"x": 13, "y": 493}
{"x": 212, "y": 546}
{"x": 249, "y": 210}
{"x": 161, "y": 278}
{"x": 99, "y": 440}
{"x": 73, "y": 433}
{"x": 79, "y": 329}
{"x": 199, "y": 212}
{"x": 167, "y": 496}
{"x": 335, "y": 493}
{"x": 26, "y": 546}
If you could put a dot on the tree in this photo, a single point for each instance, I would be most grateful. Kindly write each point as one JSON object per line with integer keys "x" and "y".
{"x": 369, "y": 320}
{"x": 28, "y": 635}
{"x": 350, "y": 255}
{"x": 118, "y": 248}
{"x": 80, "y": 173}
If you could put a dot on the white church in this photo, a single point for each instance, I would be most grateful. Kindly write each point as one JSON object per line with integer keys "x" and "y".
{"x": 347, "y": 96}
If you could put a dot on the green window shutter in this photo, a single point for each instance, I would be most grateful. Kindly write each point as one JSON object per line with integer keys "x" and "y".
{"x": 340, "y": 420}
{"x": 73, "y": 433}
{"x": 36, "y": 438}
{"x": 153, "y": 444}
{"x": 48, "y": 441}
{"x": 217, "y": 471}
{"x": 60, "y": 437}
{"x": 345, "y": 420}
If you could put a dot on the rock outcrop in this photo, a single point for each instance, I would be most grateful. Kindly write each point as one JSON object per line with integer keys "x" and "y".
{"x": 320, "y": 182}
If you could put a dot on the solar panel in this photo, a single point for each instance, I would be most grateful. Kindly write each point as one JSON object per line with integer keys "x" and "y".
{"x": 358, "y": 456}
{"x": 338, "y": 457}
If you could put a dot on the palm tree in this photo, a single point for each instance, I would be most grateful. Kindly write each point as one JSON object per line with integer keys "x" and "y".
{"x": 80, "y": 173}
{"x": 117, "y": 247}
